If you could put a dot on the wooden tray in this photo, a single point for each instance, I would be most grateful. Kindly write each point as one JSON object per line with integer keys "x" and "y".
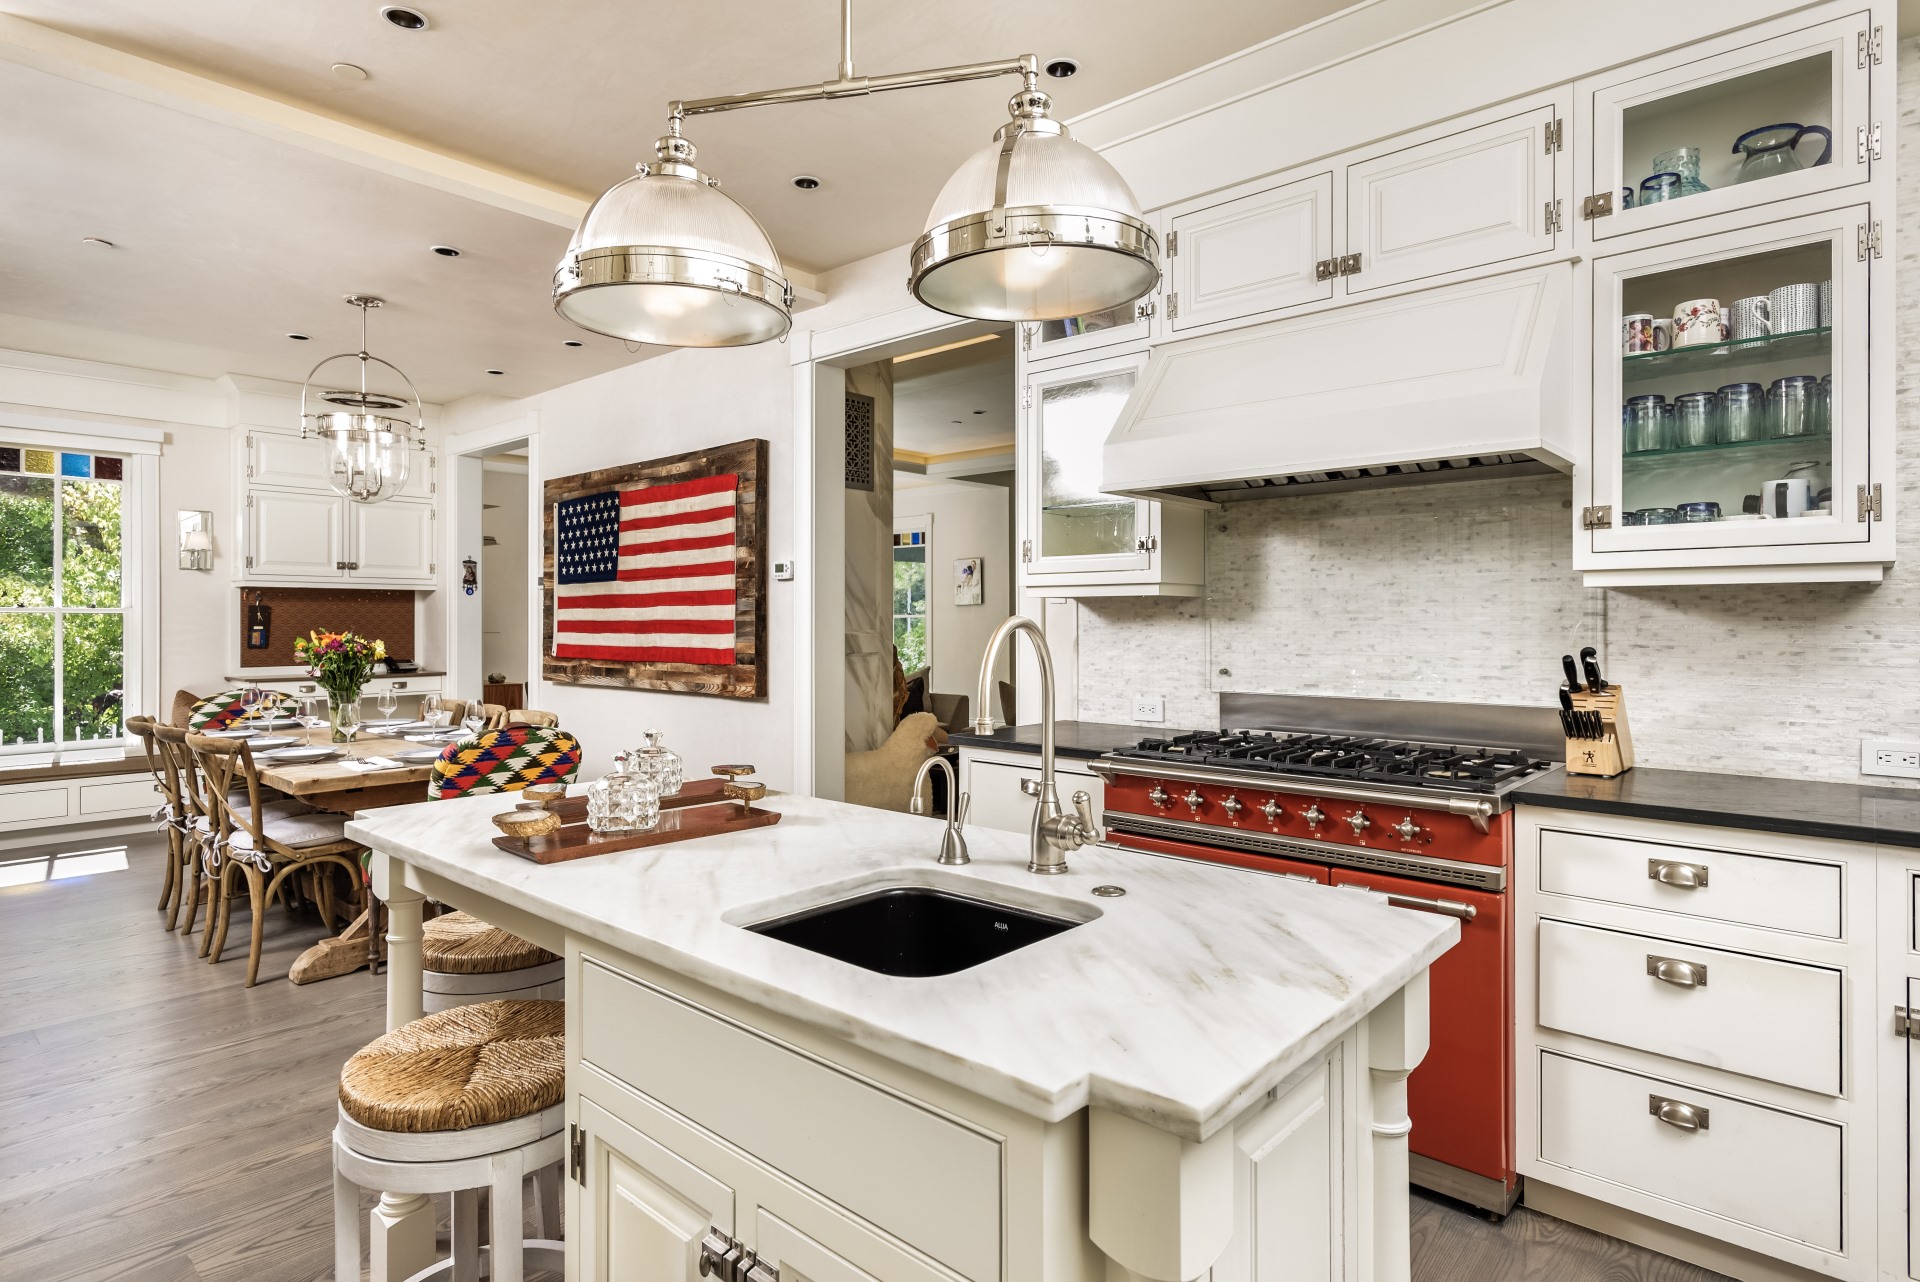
{"x": 574, "y": 840}
{"x": 694, "y": 792}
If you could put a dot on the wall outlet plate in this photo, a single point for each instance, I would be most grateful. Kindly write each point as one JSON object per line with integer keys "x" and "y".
{"x": 1897, "y": 758}
{"x": 1153, "y": 708}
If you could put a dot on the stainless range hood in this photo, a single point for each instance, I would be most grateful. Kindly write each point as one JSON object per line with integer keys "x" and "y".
{"x": 1453, "y": 383}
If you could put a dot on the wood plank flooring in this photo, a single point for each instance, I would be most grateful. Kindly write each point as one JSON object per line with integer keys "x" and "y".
{"x": 160, "y": 1123}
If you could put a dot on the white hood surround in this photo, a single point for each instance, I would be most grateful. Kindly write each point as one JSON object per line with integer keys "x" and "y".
{"x": 1467, "y": 381}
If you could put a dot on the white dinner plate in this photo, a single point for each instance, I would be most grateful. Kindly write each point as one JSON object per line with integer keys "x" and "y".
{"x": 240, "y": 732}
{"x": 384, "y": 723}
{"x": 262, "y": 742}
{"x": 303, "y": 756}
{"x": 418, "y": 756}
{"x": 411, "y": 726}
{"x": 440, "y": 737}
{"x": 274, "y": 723}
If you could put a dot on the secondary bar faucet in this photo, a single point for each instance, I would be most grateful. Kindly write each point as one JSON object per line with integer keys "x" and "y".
{"x": 953, "y": 843}
{"x": 1053, "y": 833}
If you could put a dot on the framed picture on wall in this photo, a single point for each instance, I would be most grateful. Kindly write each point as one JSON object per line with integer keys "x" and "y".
{"x": 966, "y": 581}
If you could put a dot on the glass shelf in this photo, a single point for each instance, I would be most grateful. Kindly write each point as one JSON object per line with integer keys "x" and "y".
{"x": 1818, "y": 441}
{"x": 1641, "y": 367}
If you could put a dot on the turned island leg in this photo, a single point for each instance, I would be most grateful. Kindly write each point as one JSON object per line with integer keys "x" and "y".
{"x": 402, "y": 1225}
{"x": 1396, "y": 1043}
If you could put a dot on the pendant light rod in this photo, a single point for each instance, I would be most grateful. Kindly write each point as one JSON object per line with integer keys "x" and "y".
{"x": 849, "y": 85}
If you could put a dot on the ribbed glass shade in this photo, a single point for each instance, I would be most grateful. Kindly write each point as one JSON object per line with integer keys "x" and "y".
{"x": 368, "y": 455}
{"x": 664, "y": 257}
{"x": 1070, "y": 239}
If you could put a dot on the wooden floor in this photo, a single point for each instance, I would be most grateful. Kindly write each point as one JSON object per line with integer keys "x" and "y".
{"x": 160, "y": 1123}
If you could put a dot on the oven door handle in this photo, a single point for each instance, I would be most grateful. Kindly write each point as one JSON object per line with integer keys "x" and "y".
{"x": 1447, "y": 907}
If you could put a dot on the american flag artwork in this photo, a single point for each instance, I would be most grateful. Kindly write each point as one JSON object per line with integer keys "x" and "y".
{"x": 646, "y": 574}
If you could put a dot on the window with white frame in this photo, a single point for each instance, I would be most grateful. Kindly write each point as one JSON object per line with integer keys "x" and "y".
{"x": 68, "y": 647}
{"x": 912, "y": 622}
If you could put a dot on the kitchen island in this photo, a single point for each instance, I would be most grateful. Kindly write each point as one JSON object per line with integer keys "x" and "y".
{"x": 1189, "y": 1076}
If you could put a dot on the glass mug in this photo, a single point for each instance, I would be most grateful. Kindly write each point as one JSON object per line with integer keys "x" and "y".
{"x": 1660, "y": 187}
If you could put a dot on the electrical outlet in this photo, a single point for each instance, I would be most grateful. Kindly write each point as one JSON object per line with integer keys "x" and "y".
{"x": 1896, "y": 757}
{"x": 1151, "y": 707}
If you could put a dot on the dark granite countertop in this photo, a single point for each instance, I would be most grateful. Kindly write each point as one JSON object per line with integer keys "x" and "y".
{"x": 1843, "y": 811}
{"x": 1082, "y": 739}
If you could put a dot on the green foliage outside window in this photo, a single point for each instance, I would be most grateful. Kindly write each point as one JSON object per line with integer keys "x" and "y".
{"x": 910, "y": 623}
{"x": 79, "y": 694}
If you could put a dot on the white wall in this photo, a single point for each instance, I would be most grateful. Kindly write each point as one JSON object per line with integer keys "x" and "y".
{"x": 966, "y": 520}
{"x": 503, "y": 574}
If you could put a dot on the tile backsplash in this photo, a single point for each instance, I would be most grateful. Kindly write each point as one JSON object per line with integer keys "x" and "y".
{"x": 1466, "y": 592}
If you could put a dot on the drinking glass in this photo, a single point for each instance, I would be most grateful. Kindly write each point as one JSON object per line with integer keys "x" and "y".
{"x": 350, "y": 724}
{"x": 387, "y": 702}
{"x": 250, "y": 696}
{"x": 312, "y": 714}
{"x": 475, "y": 721}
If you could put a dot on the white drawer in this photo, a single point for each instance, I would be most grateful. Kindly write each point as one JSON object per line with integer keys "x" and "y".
{"x": 1753, "y": 890}
{"x": 1774, "y": 1171}
{"x": 119, "y": 797}
{"x": 31, "y": 805}
{"x": 1777, "y": 1020}
{"x": 931, "y": 1181}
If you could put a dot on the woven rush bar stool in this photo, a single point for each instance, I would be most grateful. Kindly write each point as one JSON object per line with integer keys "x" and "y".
{"x": 465, "y": 960}
{"x": 457, "y": 1101}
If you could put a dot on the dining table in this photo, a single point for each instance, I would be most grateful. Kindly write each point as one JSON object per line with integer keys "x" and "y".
{"x": 331, "y": 785}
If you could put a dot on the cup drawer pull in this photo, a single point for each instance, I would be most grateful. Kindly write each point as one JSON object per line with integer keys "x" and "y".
{"x": 1681, "y": 974}
{"x": 1679, "y": 1115}
{"x": 1671, "y": 872}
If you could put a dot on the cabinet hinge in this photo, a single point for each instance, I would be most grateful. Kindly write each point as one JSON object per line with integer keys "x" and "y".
{"x": 1026, "y": 551}
{"x": 1146, "y": 543}
{"x": 1906, "y": 1024}
{"x": 1869, "y": 47}
{"x": 249, "y": 500}
{"x": 1173, "y": 306}
{"x": 1026, "y": 397}
{"x": 1867, "y": 502}
{"x": 1026, "y": 337}
{"x": 249, "y": 563}
{"x": 1173, "y": 244}
{"x": 723, "y": 1257}
{"x": 1867, "y": 240}
{"x": 1143, "y": 309}
{"x": 1555, "y": 135}
{"x": 1597, "y": 206}
{"x": 1597, "y": 518}
{"x": 1553, "y": 210}
{"x": 1866, "y": 143}
{"x": 577, "y": 1154}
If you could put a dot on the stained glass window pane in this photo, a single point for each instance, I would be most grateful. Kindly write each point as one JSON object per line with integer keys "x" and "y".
{"x": 76, "y": 465}
{"x": 9, "y": 458}
{"x": 106, "y": 468}
{"x": 40, "y": 462}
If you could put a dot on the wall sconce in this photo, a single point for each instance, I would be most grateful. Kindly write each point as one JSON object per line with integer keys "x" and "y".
{"x": 196, "y": 540}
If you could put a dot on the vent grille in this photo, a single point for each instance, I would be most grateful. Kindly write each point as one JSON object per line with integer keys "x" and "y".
{"x": 859, "y": 442}
{"x": 1384, "y": 475}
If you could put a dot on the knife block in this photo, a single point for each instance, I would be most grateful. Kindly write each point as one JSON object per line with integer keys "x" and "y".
{"x": 1612, "y": 753}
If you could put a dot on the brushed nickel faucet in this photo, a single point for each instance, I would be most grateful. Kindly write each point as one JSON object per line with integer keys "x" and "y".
{"x": 1053, "y": 833}
{"x": 953, "y": 843}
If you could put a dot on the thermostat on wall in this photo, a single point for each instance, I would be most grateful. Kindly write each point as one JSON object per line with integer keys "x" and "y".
{"x": 783, "y": 570}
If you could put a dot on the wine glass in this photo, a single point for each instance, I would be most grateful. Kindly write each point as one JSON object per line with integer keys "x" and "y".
{"x": 250, "y": 696}
{"x": 350, "y": 724}
{"x": 473, "y": 721}
{"x": 311, "y": 708}
{"x": 430, "y": 711}
{"x": 387, "y": 702}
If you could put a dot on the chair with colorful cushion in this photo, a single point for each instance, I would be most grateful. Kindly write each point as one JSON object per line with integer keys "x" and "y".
{"x": 227, "y": 709}
{"x": 465, "y": 960}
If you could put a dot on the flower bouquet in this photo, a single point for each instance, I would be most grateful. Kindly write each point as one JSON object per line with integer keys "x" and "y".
{"x": 340, "y": 662}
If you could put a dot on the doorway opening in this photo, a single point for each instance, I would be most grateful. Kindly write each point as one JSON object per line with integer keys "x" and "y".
{"x": 492, "y": 517}
{"x": 506, "y": 559}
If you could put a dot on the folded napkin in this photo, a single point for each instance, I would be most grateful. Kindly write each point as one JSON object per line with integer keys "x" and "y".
{"x": 368, "y": 764}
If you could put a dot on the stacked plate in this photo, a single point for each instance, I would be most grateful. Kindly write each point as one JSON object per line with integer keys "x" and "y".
{"x": 302, "y": 756}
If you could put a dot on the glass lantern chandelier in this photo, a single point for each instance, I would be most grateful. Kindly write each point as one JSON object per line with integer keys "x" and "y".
{"x": 1035, "y": 226}
{"x": 369, "y": 437}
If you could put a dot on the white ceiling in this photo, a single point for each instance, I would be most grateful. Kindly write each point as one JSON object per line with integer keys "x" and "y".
{"x": 247, "y": 188}
{"x": 955, "y": 401}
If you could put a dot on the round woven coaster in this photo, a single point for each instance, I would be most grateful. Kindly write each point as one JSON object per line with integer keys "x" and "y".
{"x": 456, "y": 944}
{"x": 468, "y": 1066}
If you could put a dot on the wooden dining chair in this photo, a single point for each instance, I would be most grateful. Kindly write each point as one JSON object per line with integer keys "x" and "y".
{"x": 532, "y": 717}
{"x": 170, "y": 816}
{"x": 265, "y": 844}
{"x": 183, "y": 701}
{"x": 195, "y": 822}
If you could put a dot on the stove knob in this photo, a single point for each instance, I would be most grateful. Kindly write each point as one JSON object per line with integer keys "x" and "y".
{"x": 1407, "y": 829}
{"x": 1359, "y": 822}
{"x": 1272, "y": 811}
{"x": 1158, "y": 796}
{"x": 1232, "y": 806}
{"x": 1313, "y": 815}
{"x": 1194, "y": 800}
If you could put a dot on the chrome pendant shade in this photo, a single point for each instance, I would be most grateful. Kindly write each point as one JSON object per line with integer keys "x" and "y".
{"x": 664, "y": 257}
{"x": 369, "y": 436}
{"x": 1034, "y": 227}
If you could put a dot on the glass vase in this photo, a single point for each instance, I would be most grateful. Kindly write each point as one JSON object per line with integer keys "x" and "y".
{"x": 343, "y": 717}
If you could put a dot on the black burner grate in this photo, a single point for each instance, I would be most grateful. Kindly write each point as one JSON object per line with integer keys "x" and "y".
{"x": 1398, "y": 762}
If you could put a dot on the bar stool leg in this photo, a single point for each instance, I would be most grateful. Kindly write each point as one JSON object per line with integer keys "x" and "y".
{"x": 346, "y": 1229}
{"x": 466, "y": 1235}
{"x": 403, "y": 1238}
{"x": 546, "y": 1187}
{"x": 508, "y": 1229}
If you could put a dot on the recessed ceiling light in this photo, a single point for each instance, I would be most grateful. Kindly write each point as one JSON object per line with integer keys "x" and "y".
{"x": 1061, "y": 68}
{"x": 298, "y": 338}
{"x": 806, "y": 182}
{"x": 496, "y": 371}
{"x": 96, "y": 241}
{"x": 348, "y": 72}
{"x": 571, "y": 342}
{"x": 446, "y": 251}
{"x": 404, "y": 18}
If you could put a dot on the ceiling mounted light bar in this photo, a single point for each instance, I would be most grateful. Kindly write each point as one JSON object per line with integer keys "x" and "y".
{"x": 1034, "y": 226}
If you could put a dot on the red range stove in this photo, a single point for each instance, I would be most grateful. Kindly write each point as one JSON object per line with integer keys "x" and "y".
{"x": 1425, "y": 821}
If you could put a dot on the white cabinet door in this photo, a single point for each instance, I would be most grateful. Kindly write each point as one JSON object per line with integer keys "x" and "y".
{"x": 827, "y": 1250}
{"x": 645, "y": 1210}
{"x": 285, "y": 459}
{"x": 1071, "y": 528}
{"x": 999, "y": 803}
{"x": 1286, "y": 1224}
{"x": 1251, "y": 256}
{"x": 392, "y": 541}
{"x": 1913, "y": 1137}
{"x": 1468, "y": 199}
{"x": 1044, "y": 340}
{"x": 295, "y": 536}
{"x": 423, "y": 475}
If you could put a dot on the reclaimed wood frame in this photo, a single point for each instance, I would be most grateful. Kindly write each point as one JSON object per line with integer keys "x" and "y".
{"x": 746, "y": 678}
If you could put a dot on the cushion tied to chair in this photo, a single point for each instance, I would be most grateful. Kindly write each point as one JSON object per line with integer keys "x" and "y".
{"x": 467, "y": 1066}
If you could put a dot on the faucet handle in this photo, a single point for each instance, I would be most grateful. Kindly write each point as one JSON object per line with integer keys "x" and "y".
{"x": 962, "y": 809}
{"x": 1031, "y": 787}
{"x": 1083, "y": 808}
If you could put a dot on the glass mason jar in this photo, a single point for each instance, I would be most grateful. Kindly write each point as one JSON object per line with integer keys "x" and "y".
{"x": 1645, "y": 425}
{"x": 1791, "y": 409}
{"x": 1743, "y": 412}
{"x": 1695, "y": 416}
{"x": 624, "y": 801}
{"x": 662, "y": 763}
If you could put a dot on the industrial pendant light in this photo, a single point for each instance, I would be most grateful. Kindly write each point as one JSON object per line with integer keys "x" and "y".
{"x": 369, "y": 444}
{"x": 1034, "y": 227}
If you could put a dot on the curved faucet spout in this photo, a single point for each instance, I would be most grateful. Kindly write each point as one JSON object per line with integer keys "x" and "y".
{"x": 1052, "y": 832}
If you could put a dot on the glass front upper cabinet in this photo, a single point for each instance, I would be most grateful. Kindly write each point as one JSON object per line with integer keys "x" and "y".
{"x": 1044, "y": 340}
{"x": 1730, "y": 381}
{"x": 1073, "y": 525}
{"x": 1735, "y": 127}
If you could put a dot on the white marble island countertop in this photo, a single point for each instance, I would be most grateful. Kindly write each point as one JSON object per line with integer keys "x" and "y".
{"x": 1178, "y": 1004}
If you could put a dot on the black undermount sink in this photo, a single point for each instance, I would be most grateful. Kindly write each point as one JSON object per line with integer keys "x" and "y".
{"x": 913, "y": 931}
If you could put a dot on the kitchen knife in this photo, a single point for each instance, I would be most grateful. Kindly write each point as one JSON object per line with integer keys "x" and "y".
{"x": 1590, "y": 661}
{"x": 1573, "y": 673}
{"x": 1567, "y": 721}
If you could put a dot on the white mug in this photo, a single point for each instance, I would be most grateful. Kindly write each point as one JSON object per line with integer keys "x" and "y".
{"x": 1698, "y": 321}
{"x": 1787, "y": 498}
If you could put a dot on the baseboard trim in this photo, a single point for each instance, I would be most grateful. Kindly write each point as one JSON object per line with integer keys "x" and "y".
{"x": 1463, "y": 1186}
{"x": 1657, "y": 1235}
